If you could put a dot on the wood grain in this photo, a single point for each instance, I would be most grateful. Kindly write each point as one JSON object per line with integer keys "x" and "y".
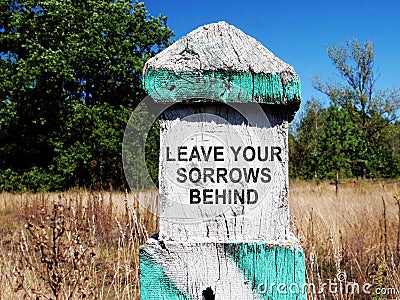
{"x": 220, "y": 62}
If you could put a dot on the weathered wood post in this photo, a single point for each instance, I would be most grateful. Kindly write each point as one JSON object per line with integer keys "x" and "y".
{"x": 224, "y": 217}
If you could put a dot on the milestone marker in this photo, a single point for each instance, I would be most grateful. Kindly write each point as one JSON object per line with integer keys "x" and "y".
{"x": 223, "y": 171}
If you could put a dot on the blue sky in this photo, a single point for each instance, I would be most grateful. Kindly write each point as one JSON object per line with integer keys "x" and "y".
{"x": 298, "y": 32}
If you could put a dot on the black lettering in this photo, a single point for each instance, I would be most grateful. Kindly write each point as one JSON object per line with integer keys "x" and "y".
{"x": 208, "y": 173}
{"x": 195, "y": 154}
{"x": 182, "y": 152}
{"x": 168, "y": 158}
{"x": 235, "y": 153}
{"x": 253, "y": 153}
{"x": 195, "y": 196}
{"x": 239, "y": 177}
{"x": 229, "y": 192}
{"x": 207, "y": 193}
{"x": 237, "y": 196}
{"x": 249, "y": 192}
{"x": 276, "y": 151}
{"x": 218, "y": 196}
{"x": 221, "y": 173}
{"x": 198, "y": 178}
{"x": 181, "y": 173}
{"x": 218, "y": 153}
{"x": 251, "y": 173}
{"x": 265, "y": 172}
{"x": 206, "y": 155}
{"x": 265, "y": 157}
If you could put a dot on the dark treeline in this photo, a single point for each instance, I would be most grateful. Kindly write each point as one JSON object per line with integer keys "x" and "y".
{"x": 326, "y": 144}
{"x": 70, "y": 76}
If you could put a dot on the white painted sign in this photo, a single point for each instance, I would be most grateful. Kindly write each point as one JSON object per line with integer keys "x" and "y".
{"x": 223, "y": 173}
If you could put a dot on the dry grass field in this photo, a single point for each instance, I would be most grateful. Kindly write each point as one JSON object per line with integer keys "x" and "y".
{"x": 354, "y": 235}
{"x": 83, "y": 245}
{"x": 75, "y": 245}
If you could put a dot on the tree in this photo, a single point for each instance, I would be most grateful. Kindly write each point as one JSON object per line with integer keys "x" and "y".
{"x": 305, "y": 149}
{"x": 339, "y": 142}
{"x": 61, "y": 60}
{"x": 325, "y": 143}
{"x": 369, "y": 109}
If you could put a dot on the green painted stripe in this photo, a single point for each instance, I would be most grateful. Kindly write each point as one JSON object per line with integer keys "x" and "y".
{"x": 267, "y": 267}
{"x": 154, "y": 283}
{"x": 175, "y": 86}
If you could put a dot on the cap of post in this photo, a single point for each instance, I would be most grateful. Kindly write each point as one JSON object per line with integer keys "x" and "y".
{"x": 220, "y": 62}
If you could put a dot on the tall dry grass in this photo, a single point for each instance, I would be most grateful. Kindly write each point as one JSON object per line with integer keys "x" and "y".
{"x": 82, "y": 245}
{"x": 75, "y": 245}
{"x": 354, "y": 234}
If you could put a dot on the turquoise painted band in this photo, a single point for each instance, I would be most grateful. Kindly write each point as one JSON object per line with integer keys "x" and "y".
{"x": 227, "y": 86}
{"x": 154, "y": 283}
{"x": 271, "y": 271}
{"x": 274, "y": 272}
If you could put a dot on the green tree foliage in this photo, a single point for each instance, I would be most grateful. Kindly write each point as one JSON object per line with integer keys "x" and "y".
{"x": 153, "y": 151}
{"x": 70, "y": 75}
{"x": 357, "y": 134}
{"x": 305, "y": 144}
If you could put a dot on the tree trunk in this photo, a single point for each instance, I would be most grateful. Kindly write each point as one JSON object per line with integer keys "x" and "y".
{"x": 337, "y": 182}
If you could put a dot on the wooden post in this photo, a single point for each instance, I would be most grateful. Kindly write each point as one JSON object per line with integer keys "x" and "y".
{"x": 224, "y": 216}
